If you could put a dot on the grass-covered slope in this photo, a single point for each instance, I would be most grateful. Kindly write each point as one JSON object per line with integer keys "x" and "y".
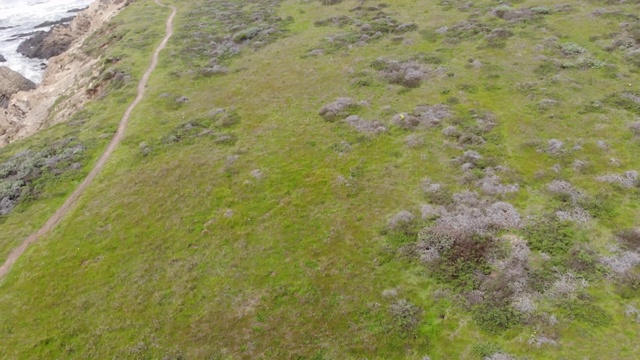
{"x": 330, "y": 180}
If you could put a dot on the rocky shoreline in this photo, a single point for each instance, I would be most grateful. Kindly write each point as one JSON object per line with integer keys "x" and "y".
{"x": 26, "y": 108}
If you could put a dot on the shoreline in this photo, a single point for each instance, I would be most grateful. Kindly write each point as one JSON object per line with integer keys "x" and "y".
{"x": 67, "y": 77}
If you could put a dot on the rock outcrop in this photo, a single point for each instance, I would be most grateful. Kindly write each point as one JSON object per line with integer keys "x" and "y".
{"x": 47, "y": 44}
{"x": 12, "y": 82}
{"x": 2, "y": 59}
{"x": 65, "y": 81}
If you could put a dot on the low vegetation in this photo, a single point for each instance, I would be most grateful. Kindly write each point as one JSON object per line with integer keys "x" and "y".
{"x": 340, "y": 179}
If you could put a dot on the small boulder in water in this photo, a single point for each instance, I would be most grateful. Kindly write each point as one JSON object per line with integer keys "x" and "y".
{"x": 2, "y": 59}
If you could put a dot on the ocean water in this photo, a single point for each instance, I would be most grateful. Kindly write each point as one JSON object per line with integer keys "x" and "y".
{"x": 20, "y": 17}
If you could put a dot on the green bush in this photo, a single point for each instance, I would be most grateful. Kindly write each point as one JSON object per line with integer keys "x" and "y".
{"x": 551, "y": 235}
{"x": 485, "y": 348}
{"x": 583, "y": 309}
{"x": 496, "y": 319}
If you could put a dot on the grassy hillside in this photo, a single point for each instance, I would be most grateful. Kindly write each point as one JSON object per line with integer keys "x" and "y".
{"x": 340, "y": 179}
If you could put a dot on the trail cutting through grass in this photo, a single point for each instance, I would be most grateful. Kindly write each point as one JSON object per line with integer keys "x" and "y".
{"x": 122, "y": 126}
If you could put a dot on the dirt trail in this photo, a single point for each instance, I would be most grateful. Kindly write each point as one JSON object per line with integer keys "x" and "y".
{"x": 62, "y": 210}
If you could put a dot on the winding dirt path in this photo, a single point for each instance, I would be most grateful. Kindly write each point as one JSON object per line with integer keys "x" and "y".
{"x": 122, "y": 126}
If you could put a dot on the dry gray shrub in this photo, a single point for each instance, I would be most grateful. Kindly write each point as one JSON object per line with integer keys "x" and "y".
{"x": 491, "y": 184}
{"x": 451, "y": 131}
{"x": 433, "y": 241}
{"x": 390, "y": 293}
{"x": 429, "y": 212}
{"x": 635, "y": 128}
{"x": 562, "y": 187}
{"x": 429, "y": 187}
{"x": 602, "y": 145}
{"x": 257, "y": 174}
{"x": 469, "y": 214}
{"x": 499, "y": 356}
{"x": 406, "y": 314}
{"x": 554, "y": 146}
{"x": 514, "y": 269}
{"x": 409, "y": 73}
{"x": 469, "y": 156}
{"x": 338, "y": 109}
{"x": 486, "y": 121}
{"x": 566, "y": 285}
{"x": 540, "y": 340}
{"x": 577, "y": 215}
{"x": 432, "y": 115}
{"x": 423, "y": 116}
{"x": 632, "y": 312}
{"x": 579, "y": 165}
{"x": 524, "y": 304}
{"x": 621, "y": 262}
{"x": 414, "y": 141}
{"x": 627, "y": 179}
{"x": 401, "y": 220}
{"x": 369, "y": 127}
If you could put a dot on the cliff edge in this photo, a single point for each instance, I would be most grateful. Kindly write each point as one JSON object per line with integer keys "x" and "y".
{"x": 63, "y": 83}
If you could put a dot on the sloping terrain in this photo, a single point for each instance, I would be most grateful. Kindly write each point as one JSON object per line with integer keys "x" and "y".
{"x": 340, "y": 179}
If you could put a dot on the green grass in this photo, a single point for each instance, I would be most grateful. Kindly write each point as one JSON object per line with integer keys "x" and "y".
{"x": 183, "y": 253}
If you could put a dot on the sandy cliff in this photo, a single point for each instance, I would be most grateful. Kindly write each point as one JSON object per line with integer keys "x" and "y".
{"x": 65, "y": 82}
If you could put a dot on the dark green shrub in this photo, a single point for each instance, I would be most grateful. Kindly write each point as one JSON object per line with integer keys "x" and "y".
{"x": 496, "y": 319}
{"x": 583, "y": 309}
{"x": 484, "y": 349}
{"x": 467, "y": 256}
{"x": 630, "y": 238}
{"x": 551, "y": 235}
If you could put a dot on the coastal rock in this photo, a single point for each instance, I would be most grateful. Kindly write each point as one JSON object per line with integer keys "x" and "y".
{"x": 44, "y": 45}
{"x": 2, "y": 59}
{"x": 47, "y": 44}
{"x": 57, "y": 22}
{"x": 10, "y": 83}
{"x": 64, "y": 88}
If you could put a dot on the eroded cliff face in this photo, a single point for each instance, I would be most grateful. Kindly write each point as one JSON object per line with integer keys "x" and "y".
{"x": 65, "y": 81}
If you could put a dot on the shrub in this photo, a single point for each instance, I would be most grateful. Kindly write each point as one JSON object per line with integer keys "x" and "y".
{"x": 246, "y": 34}
{"x": 471, "y": 215}
{"x": 340, "y": 108}
{"x": 582, "y": 260}
{"x": 20, "y": 173}
{"x": 541, "y": 10}
{"x": 627, "y": 179}
{"x": 555, "y": 146}
{"x": 550, "y": 235}
{"x": 565, "y": 190}
{"x": 369, "y": 127}
{"x": 466, "y": 256}
{"x": 630, "y": 238}
{"x": 406, "y": 315}
{"x": 635, "y": 128}
{"x": 583, "y": 309}
{"x": 485, "y": 348}
{"x": 401, "y": 221}
{"x": 409, "y": 73}
{"x": 499, "y": 356}
{"x": 424, "y": 116}
{"x": 622, "y": 262}
{"x": 496, "y": 319}
{"x": 572, "y": 49}
{"x": 492, "y": 185}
